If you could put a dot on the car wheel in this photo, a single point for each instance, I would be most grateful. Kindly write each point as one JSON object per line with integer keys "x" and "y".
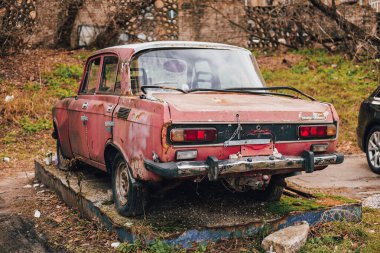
{"x": 373, "y": 149}
{"x": 127, "y": 193}
{"x": 273, "y": 191}
{"x": 62, "y": 162}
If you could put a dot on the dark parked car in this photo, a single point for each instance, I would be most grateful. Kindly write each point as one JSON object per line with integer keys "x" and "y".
{"x": 368, "y": 130}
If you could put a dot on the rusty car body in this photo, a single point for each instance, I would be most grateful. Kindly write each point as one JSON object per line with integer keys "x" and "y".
{"x": 160, "y": 112}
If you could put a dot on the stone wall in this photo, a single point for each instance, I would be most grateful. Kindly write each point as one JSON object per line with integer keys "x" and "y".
{"x": 300, "y": 25}
{"x": 215, "y": 21}
{"x": 249, "y": 23}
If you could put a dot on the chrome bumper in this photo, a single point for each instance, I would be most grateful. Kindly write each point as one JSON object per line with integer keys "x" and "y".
{"x": 260, "y": 164}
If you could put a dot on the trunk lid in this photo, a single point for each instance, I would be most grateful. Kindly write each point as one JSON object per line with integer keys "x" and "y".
{"x": 223, "y": 108}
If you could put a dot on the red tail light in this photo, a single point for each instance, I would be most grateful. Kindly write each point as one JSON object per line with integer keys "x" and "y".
{"x": 193, "y": 135}
{"x": 323, "y": 131}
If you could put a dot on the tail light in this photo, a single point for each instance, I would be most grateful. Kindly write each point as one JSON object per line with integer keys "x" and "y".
{"x": 322, "y": 131}
{"x": 193, "y": 135}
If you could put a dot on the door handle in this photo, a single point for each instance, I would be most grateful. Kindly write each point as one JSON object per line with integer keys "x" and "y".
{"x": 85, "y": 105}
{"x": 109, "y": 108}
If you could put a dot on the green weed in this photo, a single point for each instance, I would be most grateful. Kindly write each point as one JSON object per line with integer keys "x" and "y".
{"x": 32, "y": 126}
{"x": 157, "y": 246}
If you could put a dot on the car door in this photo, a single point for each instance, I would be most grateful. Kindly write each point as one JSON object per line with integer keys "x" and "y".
{"x": 78, "y": 115}
{"x": 100, "y": 110}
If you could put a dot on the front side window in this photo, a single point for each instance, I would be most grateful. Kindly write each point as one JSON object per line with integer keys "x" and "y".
{"x": 189, "y": 69}
{"x": 109, "y": 75}
{"x": 91, "y": 77}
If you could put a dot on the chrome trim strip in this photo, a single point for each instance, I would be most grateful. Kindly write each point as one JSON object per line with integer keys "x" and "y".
{"x": 254, "y": 122}
{"x": 246, "y": 142}
{"x": 281, "y": 142}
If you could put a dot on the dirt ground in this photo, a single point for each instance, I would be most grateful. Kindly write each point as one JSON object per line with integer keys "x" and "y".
{"x": 58, "y": 229}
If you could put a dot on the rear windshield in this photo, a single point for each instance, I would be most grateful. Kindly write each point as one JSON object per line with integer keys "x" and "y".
{"x": 188, "y": 69}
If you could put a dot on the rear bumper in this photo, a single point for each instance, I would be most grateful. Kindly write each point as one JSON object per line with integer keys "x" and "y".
{"x": 270, "y": 165}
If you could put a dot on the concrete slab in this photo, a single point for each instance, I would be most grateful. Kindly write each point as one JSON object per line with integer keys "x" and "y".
{"x": 353, "y": 178}
{"x": 189, "y": 214}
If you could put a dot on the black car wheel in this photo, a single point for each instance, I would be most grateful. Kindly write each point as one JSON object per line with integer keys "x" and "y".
{"x": 373, "y": 149}
{"x": 62, "y": 162}
{"x": 127, "y": 193}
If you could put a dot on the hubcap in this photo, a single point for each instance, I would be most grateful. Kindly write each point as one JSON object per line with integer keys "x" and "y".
{"x": 374, "y": 149}
{"x": 122, "y": 183}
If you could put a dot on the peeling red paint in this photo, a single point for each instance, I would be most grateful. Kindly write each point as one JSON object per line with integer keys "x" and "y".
{"x": 144, "y": 130}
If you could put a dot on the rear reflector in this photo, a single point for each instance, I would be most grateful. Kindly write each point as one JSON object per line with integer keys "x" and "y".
{"x": 319, "y": 148}
{"x": 322, "y": 131}
{"x": 193, "y": 135}
{"x": 186, "y": 154}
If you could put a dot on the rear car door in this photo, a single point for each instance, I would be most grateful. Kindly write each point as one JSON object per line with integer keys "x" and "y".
{"x": 78, "y": 115}
{"x": 100, "y": 110}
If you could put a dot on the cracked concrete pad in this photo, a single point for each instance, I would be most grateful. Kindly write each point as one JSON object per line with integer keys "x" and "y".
{"x": 287, "y": 240}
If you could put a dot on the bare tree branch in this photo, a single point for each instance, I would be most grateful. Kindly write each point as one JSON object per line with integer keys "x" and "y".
{"x": 344, "y": 24}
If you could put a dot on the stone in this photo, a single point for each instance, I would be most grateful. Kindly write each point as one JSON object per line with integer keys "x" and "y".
{"x": 33, "y": 14}
{"x": 287, "y": 240}
{"x": 159, "y": 4}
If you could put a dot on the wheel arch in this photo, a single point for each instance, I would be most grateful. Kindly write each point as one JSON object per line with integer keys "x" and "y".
{"x": 110, "y": 152}
{"x": 367, "y": 131}
{"x": 54, "y": 134}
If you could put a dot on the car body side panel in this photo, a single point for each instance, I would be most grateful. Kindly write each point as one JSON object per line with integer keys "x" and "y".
{"x": 99, "y": 127}
{"x": 140, "y": 133}
{"x": 78, "y": 125}
{"x": 61, "y": 121}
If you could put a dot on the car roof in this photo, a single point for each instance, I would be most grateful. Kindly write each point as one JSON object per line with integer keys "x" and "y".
{"x": 137, "y": 47}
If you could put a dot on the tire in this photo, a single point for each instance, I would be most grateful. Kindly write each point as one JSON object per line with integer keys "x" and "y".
{"x": 274, "y": 190}
{"x": 62, "y": 162}
{"x": 128, "y": 194}
{"x": 372, "y": 149}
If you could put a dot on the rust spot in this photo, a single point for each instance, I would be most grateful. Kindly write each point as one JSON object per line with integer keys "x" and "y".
{"x": 164, "y": 133}
{"x": 137, "y": 116}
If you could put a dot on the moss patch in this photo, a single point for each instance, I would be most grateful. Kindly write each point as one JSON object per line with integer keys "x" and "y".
{"x": 290, "y": 204}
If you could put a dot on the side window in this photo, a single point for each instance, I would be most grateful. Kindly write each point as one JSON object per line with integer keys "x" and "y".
{"x": 109, "y": 78}
{"x": 91, "y": 78}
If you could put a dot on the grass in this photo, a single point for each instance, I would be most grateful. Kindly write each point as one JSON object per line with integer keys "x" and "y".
{"x": 330, "y": 78}
{"x": 30, "y": 111}
{"x": 347, "y": 237}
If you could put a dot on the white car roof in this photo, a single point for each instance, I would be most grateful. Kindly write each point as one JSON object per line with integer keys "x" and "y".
{"x": 176, "y": 44}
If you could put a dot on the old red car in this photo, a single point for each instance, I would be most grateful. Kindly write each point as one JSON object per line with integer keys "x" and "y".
{"x": 162, "y": 112}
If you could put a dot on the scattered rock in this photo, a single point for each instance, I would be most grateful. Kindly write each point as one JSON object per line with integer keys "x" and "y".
{"x": 287, "y": 240}
{"x": 128, "y": 224}
{"x": 37, "y": 214}
{"x": 27, "y": 186}
{"x": 36, "y": 185}
{"x": 372, "y": 201}
{"x": 115, "y": 244}
{"x": 9, "y": 98}
{"x": 6, "y": 159}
